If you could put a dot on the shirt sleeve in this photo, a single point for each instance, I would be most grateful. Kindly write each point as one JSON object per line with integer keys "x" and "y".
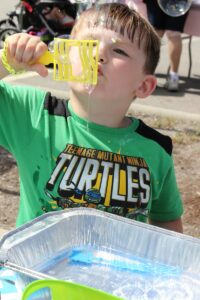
{"x": 20, "y": 109}
{"x": 169, "y": 205}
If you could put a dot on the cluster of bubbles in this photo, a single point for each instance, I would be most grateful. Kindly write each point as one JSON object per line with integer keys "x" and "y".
{"x": 175, "y": 8}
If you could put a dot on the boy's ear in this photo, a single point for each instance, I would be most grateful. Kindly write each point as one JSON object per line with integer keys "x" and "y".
{"x": 147, "y": 86}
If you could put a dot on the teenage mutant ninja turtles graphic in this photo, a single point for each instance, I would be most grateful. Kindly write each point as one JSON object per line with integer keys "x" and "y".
{"x": 99, "y": 179}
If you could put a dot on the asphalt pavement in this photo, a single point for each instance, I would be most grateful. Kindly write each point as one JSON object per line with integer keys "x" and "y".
{"x": 184, "y": 104}
{"x": 6, "y": 7}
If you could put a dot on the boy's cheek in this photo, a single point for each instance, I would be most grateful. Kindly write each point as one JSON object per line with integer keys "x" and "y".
{"x": 80, "y": 64}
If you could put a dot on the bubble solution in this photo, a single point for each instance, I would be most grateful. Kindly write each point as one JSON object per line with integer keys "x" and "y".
{"x": 129, "y": 277}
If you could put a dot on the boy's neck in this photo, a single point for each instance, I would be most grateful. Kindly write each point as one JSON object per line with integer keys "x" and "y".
{"x": 99, "y": 114}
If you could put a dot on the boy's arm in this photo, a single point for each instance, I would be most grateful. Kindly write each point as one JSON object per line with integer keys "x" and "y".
{"x": 22, "y": 53}
{"x": 175, "y": 225}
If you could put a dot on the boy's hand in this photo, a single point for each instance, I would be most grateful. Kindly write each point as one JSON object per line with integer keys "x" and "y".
{"x": 23, "y": 52}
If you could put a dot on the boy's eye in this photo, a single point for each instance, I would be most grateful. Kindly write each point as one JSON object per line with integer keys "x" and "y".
{"x": 120, "y": 51}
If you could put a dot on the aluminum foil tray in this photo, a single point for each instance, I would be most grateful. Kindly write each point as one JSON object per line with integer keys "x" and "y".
{"x": 123, "y": 257}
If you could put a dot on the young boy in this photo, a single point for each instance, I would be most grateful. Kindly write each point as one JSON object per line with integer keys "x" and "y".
{"x": 86, "y": 151}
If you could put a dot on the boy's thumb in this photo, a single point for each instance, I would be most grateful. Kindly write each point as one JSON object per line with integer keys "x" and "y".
{"x": 40, "y": 69}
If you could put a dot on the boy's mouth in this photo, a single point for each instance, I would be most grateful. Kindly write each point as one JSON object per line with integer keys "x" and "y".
{"x": 100, "y": 72}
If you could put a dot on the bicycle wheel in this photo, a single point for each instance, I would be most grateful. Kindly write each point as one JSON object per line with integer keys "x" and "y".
{"x": 7, "y": 32}
{"x": 5, "y": 23}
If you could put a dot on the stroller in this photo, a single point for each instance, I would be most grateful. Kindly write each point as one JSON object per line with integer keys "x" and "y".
{"x": 44, "y": 18}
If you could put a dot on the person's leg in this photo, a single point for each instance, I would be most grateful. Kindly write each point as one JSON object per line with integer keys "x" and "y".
{"x": 174, "y": 51}
{"x": 174, "y": 27}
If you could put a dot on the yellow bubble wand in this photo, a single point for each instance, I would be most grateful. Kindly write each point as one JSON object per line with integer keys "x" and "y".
{"x": 63, "y": 66}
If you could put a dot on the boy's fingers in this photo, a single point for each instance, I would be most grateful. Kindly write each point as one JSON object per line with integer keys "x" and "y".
{"x": 16, "y": 45}
{"x": 34, "y": 56}
{"x": 34, "y": 49}
{"x": 21, "y": 47}
{"x": 24, "y": 51}
{"x": 40, "y": 69}
{"x": 12, "y": 43}
{"x": 41, "y": 48}
{"x": 24, "y": 48}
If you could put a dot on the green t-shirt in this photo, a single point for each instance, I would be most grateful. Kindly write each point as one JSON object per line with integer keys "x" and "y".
{"x": 66, "y": 161}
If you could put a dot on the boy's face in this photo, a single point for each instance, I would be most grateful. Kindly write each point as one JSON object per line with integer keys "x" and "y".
{"x": 120, "y": 67}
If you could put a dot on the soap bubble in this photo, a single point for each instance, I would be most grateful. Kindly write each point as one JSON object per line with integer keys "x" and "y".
{"x": 175, "y": 8}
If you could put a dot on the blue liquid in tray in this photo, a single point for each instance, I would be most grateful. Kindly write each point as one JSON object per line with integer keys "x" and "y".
{"x": 124, "y": 276}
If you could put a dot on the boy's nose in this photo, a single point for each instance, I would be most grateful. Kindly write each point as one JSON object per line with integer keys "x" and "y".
{"x": 101, "y": 60}
{"x": 103, "y": 53}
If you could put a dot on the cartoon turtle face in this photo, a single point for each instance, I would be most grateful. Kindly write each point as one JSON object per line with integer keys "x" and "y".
{"x": 92, "y": 196}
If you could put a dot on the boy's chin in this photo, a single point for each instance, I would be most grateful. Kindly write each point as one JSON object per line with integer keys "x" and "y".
{"x": 83, "y": 89}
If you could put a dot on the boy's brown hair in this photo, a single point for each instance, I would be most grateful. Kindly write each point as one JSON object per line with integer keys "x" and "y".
{"x": 120, "y": 18}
